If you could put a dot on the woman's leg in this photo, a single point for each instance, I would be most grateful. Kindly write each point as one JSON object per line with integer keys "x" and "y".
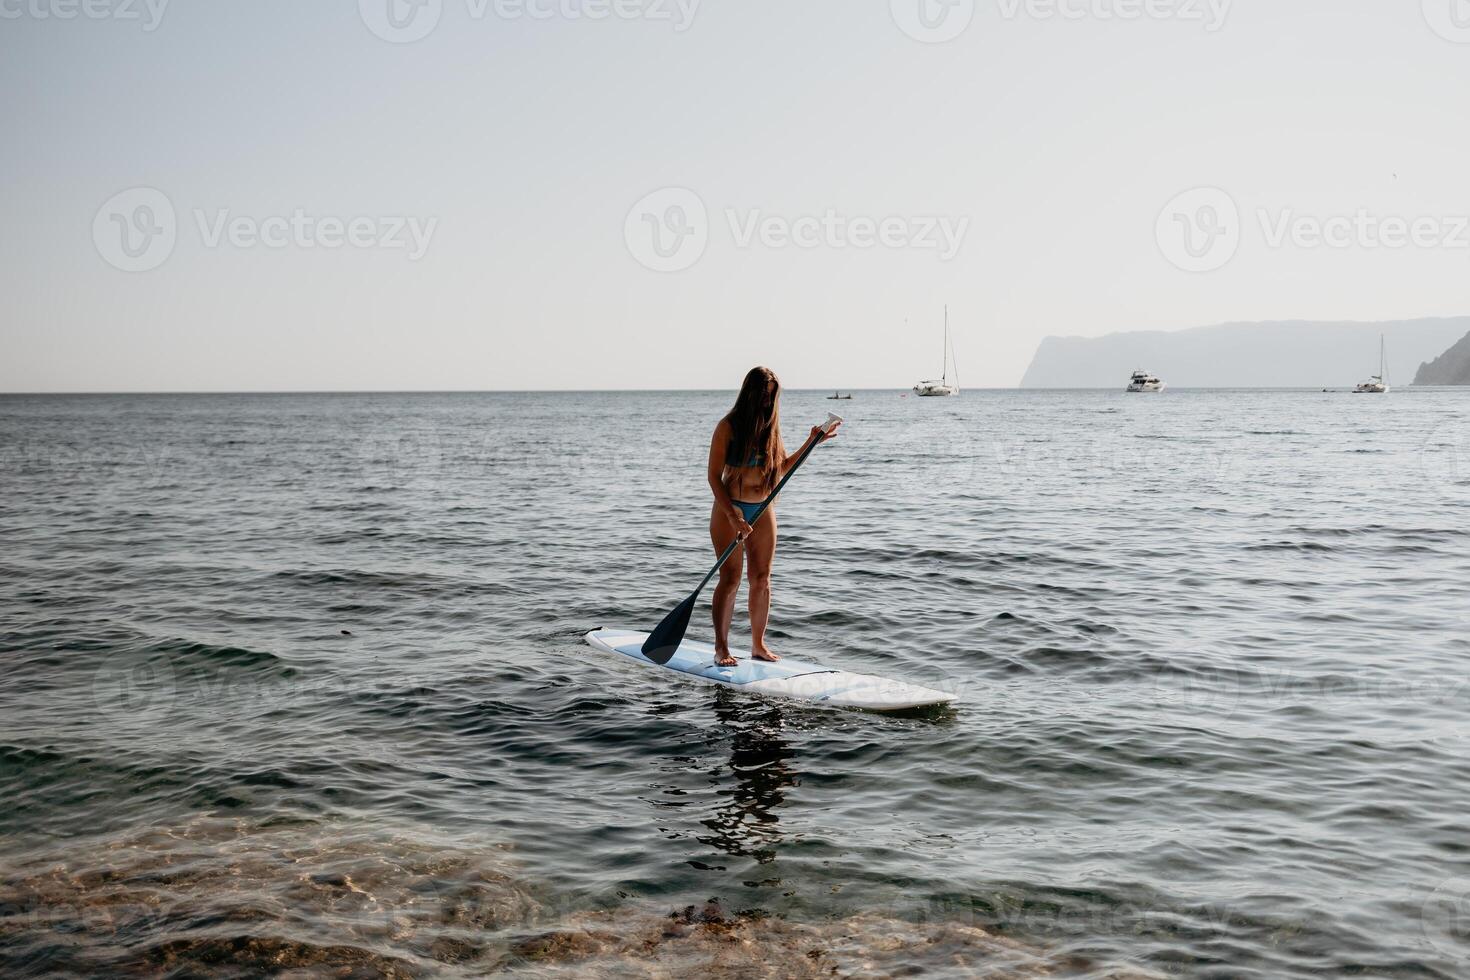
{"x": 721, "y": 534}
{"x": 760, "y": 549}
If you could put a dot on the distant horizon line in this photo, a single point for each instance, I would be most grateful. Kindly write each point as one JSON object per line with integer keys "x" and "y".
{"x": 634, "y": 391}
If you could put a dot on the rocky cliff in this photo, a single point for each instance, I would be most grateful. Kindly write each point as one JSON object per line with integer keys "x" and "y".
{"x": 1450, "y": 368}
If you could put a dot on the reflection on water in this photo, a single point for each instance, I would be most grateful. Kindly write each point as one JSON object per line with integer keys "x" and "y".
{"x": 748, "y": 823}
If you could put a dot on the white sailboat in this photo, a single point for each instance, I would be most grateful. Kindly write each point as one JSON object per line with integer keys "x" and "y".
{"x": 1378, "y": 384}
{"x": 941, "y": 388}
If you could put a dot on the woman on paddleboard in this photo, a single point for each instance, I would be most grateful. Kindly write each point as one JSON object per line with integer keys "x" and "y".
{"x": 746, "y": 460}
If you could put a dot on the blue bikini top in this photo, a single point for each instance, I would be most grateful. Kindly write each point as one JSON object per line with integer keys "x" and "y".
{"x": 756, "y": 459}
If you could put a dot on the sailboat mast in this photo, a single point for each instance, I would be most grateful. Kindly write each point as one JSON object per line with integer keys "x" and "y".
{"x": 944, "y": 376}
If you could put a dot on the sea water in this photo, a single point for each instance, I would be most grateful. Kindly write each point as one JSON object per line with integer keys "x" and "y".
{"x": 297, "y": 682}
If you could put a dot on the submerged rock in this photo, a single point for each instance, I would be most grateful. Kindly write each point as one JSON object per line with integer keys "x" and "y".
{"x": 225, "y": 898}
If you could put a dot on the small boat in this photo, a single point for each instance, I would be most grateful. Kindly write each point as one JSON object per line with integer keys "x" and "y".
{"x": 838, "y": 396}
{"x": 1378, "y": 384}
{"x": 941, "y": 388}
{"x": 1145, "y": 382}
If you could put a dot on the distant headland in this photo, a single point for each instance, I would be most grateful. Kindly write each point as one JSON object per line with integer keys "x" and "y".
{"x": 1450, "y": 368}
{"x": 1272, "y": 354}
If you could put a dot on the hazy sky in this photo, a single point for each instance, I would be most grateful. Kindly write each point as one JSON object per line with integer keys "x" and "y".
{"x": 471, "y": 209}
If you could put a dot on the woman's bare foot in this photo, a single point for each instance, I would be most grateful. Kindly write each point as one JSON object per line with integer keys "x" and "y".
{"x": 723, "y": 659}
{"x": 762, "y": 652}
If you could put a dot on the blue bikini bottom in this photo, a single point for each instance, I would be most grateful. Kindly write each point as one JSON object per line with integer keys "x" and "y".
{"x": 748, "y": 509}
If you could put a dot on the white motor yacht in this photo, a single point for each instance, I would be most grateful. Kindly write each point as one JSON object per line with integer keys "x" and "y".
{"x": 1143, "y": 381}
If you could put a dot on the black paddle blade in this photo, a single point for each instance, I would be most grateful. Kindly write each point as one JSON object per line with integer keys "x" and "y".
{"x": 664, "y": 641}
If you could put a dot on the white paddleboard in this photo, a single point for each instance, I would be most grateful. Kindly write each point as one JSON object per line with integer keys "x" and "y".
{"x": 784, "y": 679}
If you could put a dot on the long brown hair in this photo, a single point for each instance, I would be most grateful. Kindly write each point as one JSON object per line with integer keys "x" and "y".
{"x": 755, "y": 424}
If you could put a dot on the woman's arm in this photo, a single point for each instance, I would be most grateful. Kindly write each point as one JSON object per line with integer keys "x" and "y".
{"x": 818, "y": 435}
{"x": 718, "y": 446}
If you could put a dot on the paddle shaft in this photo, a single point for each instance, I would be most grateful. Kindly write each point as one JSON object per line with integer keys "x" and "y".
{"x": 760, "y": 512}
